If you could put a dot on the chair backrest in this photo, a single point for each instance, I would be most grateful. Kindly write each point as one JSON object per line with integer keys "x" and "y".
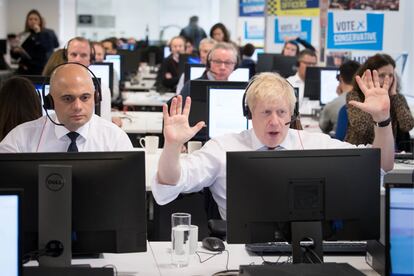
{"x": 342, "y": 123}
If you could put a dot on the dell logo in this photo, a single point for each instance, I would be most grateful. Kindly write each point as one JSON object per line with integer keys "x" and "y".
{"x": 55, "y": 182}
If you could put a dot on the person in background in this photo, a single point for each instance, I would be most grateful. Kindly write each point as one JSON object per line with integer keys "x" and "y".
{"x": 37, "y": 44}
{"x": 220, "y": 63}
{"x": 189, "y": 47}
{"x": 271, "y": 103}
{"x": 110, "y": 45}
{"x": 306, "y": 58}
{"x": 219, "y": 33}
{"x": 99, "y": 51}
{"x": 247, "y": 52}
{"x": 168, "y": 74}
{"x": 193, "y": 32}
{"x": 55, "y": 59}
{"x": 361, "y": 126}
{"x": 291, "y": 46}
{"x": 329, "y": 114}
{"x": 19, "y": 103}
{"x": 73, "y": 95}
{"x": 205, "y": 46}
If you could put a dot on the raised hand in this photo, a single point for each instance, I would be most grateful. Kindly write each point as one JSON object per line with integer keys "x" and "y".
{"x": 177, "y": 130}
{"x": 377, "y": 100}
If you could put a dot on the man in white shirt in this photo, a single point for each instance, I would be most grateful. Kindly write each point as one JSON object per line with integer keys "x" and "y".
{"x": 306, "y": 58}
{"x": 74, "y": 126}
{"x": 271, "y": 102}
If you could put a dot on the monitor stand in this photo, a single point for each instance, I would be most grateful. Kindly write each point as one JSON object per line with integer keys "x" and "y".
{"x": 55, "y": 226}
{"x": 303, "y": 230}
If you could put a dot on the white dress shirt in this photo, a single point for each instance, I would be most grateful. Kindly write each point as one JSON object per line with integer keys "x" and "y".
{"x": 296, "y": 81}
{"x": 42, "y": 135}
{"x": 207, "y": 166}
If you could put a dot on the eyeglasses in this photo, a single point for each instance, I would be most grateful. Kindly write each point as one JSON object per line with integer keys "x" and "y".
{"x": 308, "y": 63}
{"x": 220, "y": 62}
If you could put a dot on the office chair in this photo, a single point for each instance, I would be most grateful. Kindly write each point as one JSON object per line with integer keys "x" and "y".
{"x": 342, "y": 123}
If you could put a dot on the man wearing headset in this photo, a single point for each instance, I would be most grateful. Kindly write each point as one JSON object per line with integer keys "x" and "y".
{"x": 80, "y": 50}
{"x": 270, "y": 104}
{"x": 74, "y": 126}
{"x": 221, "y": 62}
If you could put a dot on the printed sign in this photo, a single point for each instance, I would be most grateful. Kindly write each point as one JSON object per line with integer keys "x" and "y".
{"x": 292, "y": 27}
{"x": 251, "y": 7}
{"x": 293, "y": 7}
{"x": 353, "y": 30}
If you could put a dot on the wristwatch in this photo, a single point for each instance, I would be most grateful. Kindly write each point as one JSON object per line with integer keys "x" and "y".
{"x": 383, "y": 123}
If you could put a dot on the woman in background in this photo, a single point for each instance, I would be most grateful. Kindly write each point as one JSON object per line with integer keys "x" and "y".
{"x": 219, "y": 33}
{"x": 19, "y": 103}
{"x": 360, "y": 124}
{"x": 37, "y": 44}
{"x": 56, "y": 58}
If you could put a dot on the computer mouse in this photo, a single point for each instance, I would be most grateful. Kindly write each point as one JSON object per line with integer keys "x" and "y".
{"x": 213, "y": 244}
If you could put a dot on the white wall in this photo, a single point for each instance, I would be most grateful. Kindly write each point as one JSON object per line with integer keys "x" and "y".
{"x": 3, "y": 19}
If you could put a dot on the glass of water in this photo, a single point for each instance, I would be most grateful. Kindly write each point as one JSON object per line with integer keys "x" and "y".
{"x": 180, "y": 232}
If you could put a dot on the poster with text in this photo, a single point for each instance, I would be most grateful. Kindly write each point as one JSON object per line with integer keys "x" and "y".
{"x": 293, "y": 7}
{"x": 290, "y": 27}
{"x": 251, "y": 7}
{"x": 355, "y": 30}
{"x": 372, "y": 5}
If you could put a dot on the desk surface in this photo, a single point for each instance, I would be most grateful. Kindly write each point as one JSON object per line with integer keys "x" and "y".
{"x": 157, "y": 261}
{"x": 140, "y": 121}
{"x": 145, "y": 98}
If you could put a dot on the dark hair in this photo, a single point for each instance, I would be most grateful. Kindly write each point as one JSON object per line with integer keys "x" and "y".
{"x": 19, "y": 103}
{"x": 248, "y": 50}
{"x": 223, "y": 29}
{"x": 306, "y": 52}
{"x": 348, "y": 70}
{"x": 293, "y": 43}
{"x": 373, "y": 63}
{"x": 111, "y": 40}
{"x": 26, "y": 24}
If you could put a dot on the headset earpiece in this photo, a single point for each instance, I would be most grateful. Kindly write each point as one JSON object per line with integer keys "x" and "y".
{"x": 48, "y": 102}
{"x": 208, "y": 64}
{"x": 246, "y": 110}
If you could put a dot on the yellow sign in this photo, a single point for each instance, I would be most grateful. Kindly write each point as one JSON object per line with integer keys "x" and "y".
{"x": 293, "y": 7}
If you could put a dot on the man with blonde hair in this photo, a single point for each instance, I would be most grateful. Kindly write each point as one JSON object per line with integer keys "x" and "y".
{"x": 270, "y": 104}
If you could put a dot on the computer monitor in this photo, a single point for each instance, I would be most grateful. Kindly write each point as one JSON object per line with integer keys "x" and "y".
{"x": 225, "y": 113}
{"x": 399, "y": 228}
{"x": 10, "y": 232}
{"x": 116, "y": 61}
{"x": 130, "y": 62}
{"x": 313, "y": 84}
{"x": 3, "y": 46}
{"x": 256, "y": 53}
{"x": 104, "y": 71}
{"x": 329, "y": 84}
{"x": 167, "y": 51}
{"x": 284, "y": 65}
{"x": 108, "y": 198}
{"x": 199, "y": 101}
{"x": 194, "y": 71}
{"x": 331, "y": 194}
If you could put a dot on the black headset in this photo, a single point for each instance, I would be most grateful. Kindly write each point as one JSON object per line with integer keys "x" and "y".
{"x": 48, "y": 102}
{"x": 248, "y": 114}
{"x": 91, "y": 55}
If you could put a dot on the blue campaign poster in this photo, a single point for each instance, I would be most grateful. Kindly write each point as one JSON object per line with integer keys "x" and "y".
{"x": 251, "y": 7}
{"x": 287, "y": 28}
{"x": 355, "y": 30}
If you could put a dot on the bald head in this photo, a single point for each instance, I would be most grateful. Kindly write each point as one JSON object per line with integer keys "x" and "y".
{"x": 72, "y": 90}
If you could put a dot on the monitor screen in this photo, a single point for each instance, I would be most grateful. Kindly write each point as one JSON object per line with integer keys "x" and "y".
{"x": 400, "y": 229}
{"x": 104, "y": 71}
{"x": 167, "y": 51}
{"x": 10, "y": 255}
{"x": 116, "y": 61}
{"x": 329, "y": 85}
{"x": 333, "y": 193}
{"x": 284, "y": 65}
{"x": 225, "y": 113}
{"x": 199, "y": 101}
{"x": 130, "y": 62}
{"x": 108, "y": 198}
{"x": 194, "y": 71}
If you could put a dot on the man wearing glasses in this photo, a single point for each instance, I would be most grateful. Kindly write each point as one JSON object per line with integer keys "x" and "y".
{"x": 306, "y": 58}
{"x": 221, "y": 62}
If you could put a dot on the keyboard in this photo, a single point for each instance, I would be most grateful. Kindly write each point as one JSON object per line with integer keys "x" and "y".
{"x": 333, "y": 247}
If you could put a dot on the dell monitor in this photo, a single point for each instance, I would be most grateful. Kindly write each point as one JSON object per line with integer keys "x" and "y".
{"x": 278, "y": 63}
{"x": 199, "y": 102}
{"x": 225, "y": 113}
{"x": 10, "y": 232}
{"x": 290, "y": 195}
{"x": 108, "y": 198}
{"x": 194, "y": 71}
{"x": 116, "y": 61}
{"x": 329, "y": 85}
{"x": 104, "y": 71}
{"x": 399, "y": 228}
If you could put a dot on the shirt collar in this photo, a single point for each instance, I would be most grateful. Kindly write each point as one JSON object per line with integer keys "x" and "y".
{"x": 61, "y": 131}
{"x": 286, "y": 144}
